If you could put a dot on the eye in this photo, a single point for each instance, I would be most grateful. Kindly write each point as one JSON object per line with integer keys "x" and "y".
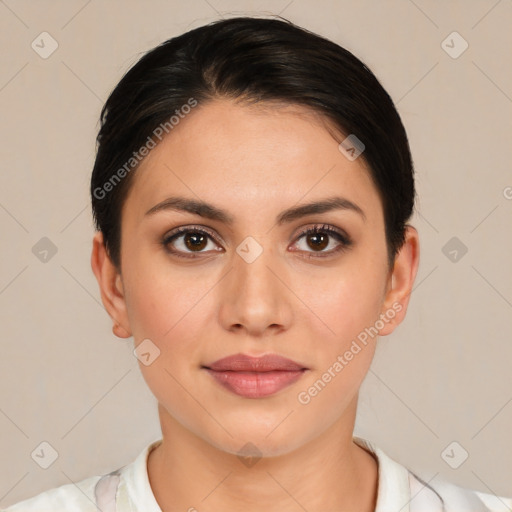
{"x": 320, "y": 237}
{"x": 187, "y": 240}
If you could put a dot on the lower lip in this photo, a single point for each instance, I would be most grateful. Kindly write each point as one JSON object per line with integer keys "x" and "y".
{"x": 256, "y": 384}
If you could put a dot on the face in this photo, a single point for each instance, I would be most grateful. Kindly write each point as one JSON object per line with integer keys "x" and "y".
{"x": 252, "y": 280}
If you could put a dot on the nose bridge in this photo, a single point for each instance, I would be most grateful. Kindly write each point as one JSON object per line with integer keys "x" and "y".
{"x": 252, "y": 263}
{"x": 251, "y": 269}
{"x": 257, "y": 298}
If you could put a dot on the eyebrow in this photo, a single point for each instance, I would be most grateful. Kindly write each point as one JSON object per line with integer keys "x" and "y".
{"x": 209, "y": 211}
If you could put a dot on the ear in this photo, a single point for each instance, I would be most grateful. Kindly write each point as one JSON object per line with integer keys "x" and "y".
{"x": 111, "y": 286}
{"x": 400, "y": 281}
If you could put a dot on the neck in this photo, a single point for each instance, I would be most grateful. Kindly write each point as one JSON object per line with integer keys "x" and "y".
{"x": 331, "y": 472}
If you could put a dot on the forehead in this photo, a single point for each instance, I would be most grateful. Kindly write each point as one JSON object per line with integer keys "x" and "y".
{"x": 250, "y": 157}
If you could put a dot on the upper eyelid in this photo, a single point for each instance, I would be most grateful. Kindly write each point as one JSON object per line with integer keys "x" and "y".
{"x": 185, "y": 229}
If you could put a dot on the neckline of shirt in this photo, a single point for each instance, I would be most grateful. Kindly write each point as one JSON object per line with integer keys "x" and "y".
{"x": 393, "y": 488}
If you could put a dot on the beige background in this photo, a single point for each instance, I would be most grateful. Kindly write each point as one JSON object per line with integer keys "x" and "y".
{"x": 443, "y": 376}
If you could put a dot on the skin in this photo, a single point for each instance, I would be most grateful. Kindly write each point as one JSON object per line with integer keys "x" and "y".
{"x": 255, "y": 162}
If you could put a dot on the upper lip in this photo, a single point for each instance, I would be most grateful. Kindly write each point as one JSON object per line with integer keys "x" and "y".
{"x": 245, "y": 363}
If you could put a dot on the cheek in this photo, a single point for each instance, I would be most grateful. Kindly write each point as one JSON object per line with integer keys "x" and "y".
{"x": 175, "y": 310}
{"x": 170, "y": 310}
{"x": 350, "y": 307}
{"x": 160, "y": 298}
{"x": 347, "y": 301}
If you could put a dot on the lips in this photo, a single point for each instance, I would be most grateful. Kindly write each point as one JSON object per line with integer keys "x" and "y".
{"x": 243, "y": 363}
{"x": 255, "y": 377}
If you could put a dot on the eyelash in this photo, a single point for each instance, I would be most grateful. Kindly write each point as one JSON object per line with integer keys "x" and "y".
{"x": 345, "y": 241}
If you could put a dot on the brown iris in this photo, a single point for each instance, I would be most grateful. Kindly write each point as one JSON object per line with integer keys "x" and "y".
{"x": 321, "y": 240}
{"x": 195, "y": 241}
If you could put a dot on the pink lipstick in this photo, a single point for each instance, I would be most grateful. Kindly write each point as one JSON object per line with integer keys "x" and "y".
{"x": 255, "y": 377}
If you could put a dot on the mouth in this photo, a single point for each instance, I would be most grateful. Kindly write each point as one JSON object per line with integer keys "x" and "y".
{"x": 255, "y": 377}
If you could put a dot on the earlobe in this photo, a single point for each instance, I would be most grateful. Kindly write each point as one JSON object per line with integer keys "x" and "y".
{"x": 401, "y": 281}
{"x": 111, "y": 287}
{"x": 120, "y": 331}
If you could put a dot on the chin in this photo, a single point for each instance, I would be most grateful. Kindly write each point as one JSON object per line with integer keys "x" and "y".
{"x": 253, "y": 440}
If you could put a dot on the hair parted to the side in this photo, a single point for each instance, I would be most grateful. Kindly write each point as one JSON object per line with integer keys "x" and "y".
{"x": 256, "y": 60}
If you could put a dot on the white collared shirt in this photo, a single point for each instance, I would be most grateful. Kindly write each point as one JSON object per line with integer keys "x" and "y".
{"x": 128, "y": 490}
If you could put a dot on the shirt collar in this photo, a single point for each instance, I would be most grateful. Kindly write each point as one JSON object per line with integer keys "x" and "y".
{"x": 393, "y": 492}
{"x": 138, "y": 488}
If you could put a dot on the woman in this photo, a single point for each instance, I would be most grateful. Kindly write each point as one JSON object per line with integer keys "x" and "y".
{"x": 251, "y": 192}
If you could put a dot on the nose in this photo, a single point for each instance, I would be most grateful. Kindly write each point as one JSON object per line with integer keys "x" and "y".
{"x": 255, "y": 298}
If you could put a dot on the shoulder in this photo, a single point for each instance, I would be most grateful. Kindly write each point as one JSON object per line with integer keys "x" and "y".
{"x": 127, "y": 487}
{"x": 77, "y": 497}
{"x": 455, "y": 498}
{"x": 399, "y": 485}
